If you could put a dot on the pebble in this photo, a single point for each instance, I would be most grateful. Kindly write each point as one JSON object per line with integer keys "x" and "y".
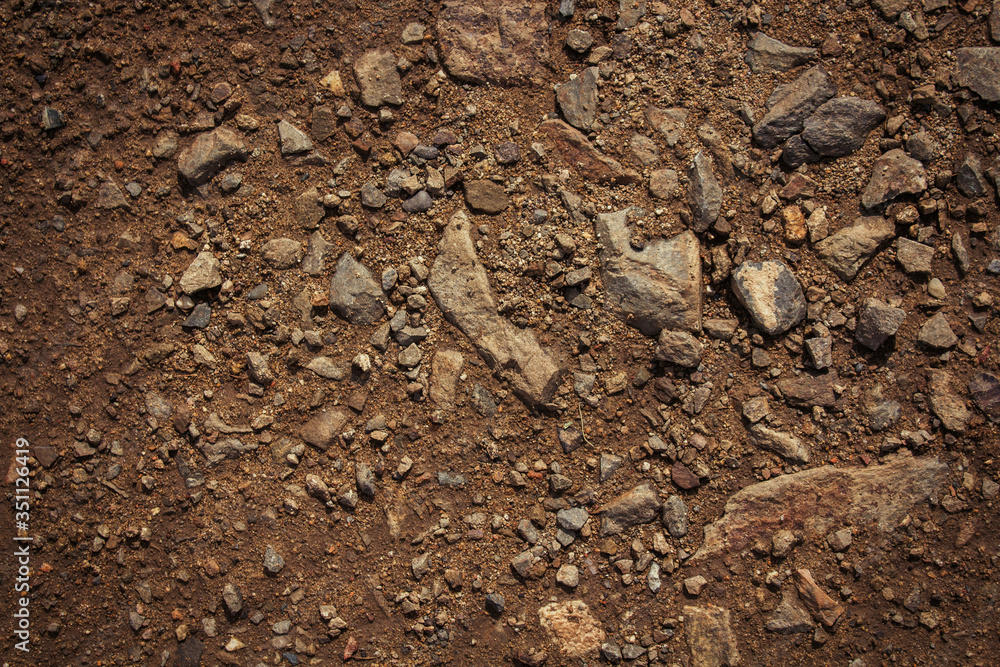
{"x": 771, "y": 294}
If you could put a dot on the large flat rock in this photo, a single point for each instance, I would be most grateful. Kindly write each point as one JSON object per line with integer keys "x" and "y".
{"x": 575, "y": 150}
{"x": 978, "y": 69}
{"x": 461, "y": 287}
{"x": 823, "y": 499}
{"x": 656, "y": 288}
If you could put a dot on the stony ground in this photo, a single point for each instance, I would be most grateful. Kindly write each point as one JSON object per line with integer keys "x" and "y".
{"x": 503, "y": 333}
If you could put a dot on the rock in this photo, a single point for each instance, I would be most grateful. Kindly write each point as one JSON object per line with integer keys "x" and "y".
{"x": 693, "y": 586}
{"x": 354, "y": 294}
{"x": 985, "y": 390}
{"x": 797, "y": 152}
{"x": 460, "y": 286}
{"x": 573, "y": 518}
{"x": 292, "y": 139}
{"x": 378, "y": 78}
{"x": 877, "y": 321}
{"x": 922, "y": 146}
{"x": 947, "y": 406}
{"x": 884, "y": 415}
{"x": 201, "y": 274}
{"x": 568, "y": 575}
{"x": 704, "y": 192}
{"x": 209, "y": 153}
{"x": 575, "y": 150}
{"x": 629, "y": 13}
{"x": 312, "y": 263}
{"x": 570, "y": 439}
{"x": 893, "y": 174}
{"x": 937, "y": 333}
{"x": 364, "y": 478}
{"x": 579, "y": 40}
{"x": 410, "y": 356}
{"x": 969, "y": 177}
{"x": 674, "y": 517}
{"x": 890, "y": 9}
{"x": 282, "y": 253}
{"x": 446, "y": 368}
{"x": 790, "y": 617}
{"x": 914, "y": 257}
{"x": 656, "y": 288}
{"x": 846, "y": 251}
{"x": 978, "y": 69}
{"x": 577, "y": 99}
{"x": 486, "y": 197}
{"x": 232, "y": 597}
{"x": 822, "y": 607}
{"x": 372, "y": 196}
{"x": 325, "y": 367}
{"x": 418, "y": 203}
{"x": 808, "y": 391}
{"x": 572, "y": 627}
{"x": 682, "y": 476}
{"x": 820, "y": 352}
{"x": 421, "y": 565}
{"x": 611, "y": 652}
{"x": 840, "y": 540}
{"x": 111, "y": 197}
{"x": 228, "y": 448}
{"x": 608, "y": 465}
{"x": 663, "y": 183}
{"x": 189, "y": 652}
{"x": 771, "y": 294}
{"x": 785, "y": 445}
{"x": 639, "y": 505}
{"x": 679, "y": 348}
{"x": 841, "y": 125}
{"x": 872, "y": 498}
{"x": 709, "y": 637}
{"x": 495, "y": 41}
{"x": 765, "y": 53}
{"x": 259, "y": 370}
{"x": 668, "y": 122}
{"x": 166, "y": 145}
{"x": 323, "y": 430}
{"x": 789, "y": 106}
{"x": 52, "y": 119}
{"x": 273, "y": 562}
{"x": 309, "y": 210}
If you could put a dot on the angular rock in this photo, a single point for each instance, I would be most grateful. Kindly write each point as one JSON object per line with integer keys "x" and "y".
{"x": 292, "y": 139}
{"x": 629, "y": 13}
{"x": 914, "y": 257}
{"x": 573, "y": 628}
{"x": 273, "y": 562}
{"x": 232, "y": 597}
{"x": 323, "y": 430}
{"x": 354, "y": 294}
{"x": 573, "y": 518}
{"x": 446, "y": 368}
{"x": 797, "y": 152}
{"x": 820, "y": 352}
{"x": 985, "y": 390}
{"x": 577, "y": 99}
{"x": 656, "y": 288}
{"x": 485, "y": 196}
{"x": 568, "y": 576}
{"x": 668, "y": 122}
{"x": 312, "y": 263}
{"x": 765, "y": 53}
{"x": 704, "y": 192}
{"x": 818, "y": 500}
{"x": 378, "y": 78}
{"x": 884, "y": 415}
{"x": 201, "y": 274}
{"x": 771, "y": 294}
{"x": 608, "y": 465}
{"x": 808, "y": 391}
{"x": 576, "y": 151}
{"x": 841, "y": 125}
{"x": 969, "y": 177}
{"x": 460, "y": 286}
{"x": 679, "y": 348}
{"x": 110, "y": 197}
{"x": 876, "y": 322}
{"x": 209, "y": 153}
{"x": 372, "y": 196}
{"x": 639, "y": 505}
{"x": 978, "y": 69}
{"x": 325, "y": 367}
{"x": 946, "y": 405}
{"x": 822, "y": 607}
{"x": 494, "y": 41}
{"x": 785, "y": 445}
{"x": 790, "y": 105}
{"x": 364, "y": 478}
{"x": 645, "y": 150}
{"x": 663, "y": 183}
{"x": 673, "y": 516}
{"x": 790, "y": 617}
{"x": 710, "y": 638}
{"x": 282, "y": 253}
{"x": 893, "y": 174}
{"x": 937, "y": 333}
{"x": 309, "y": 210}
{"x": 846, "y": 251}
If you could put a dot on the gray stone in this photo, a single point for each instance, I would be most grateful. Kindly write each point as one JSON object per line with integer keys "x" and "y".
{"x": 969, "y": 177}
{"x": 893, "y": 174}
{"x": 674, "y": 517}
{"x": 372, "y": 197}
{"x": 282, "y": 253}
{"x": 410, "y": 356}
{"x": 639, "y": 505}
{"x": 790, "y": 105}
{"x": 668, "y": 122}
{"x": 790, "y": 617}
{"x": 232, "y": 597}
{"x": 460, "y": 286}
{"x": 221, "y": 450}
{"x": 922, "y": 146}
{"x": 323, "y": 430}
{"x": 877, "y": 321}
{"x": 260, "y": 372}
{"x": 579, "y": 40}
{"x": 166, "y": 145}
{"x": 820, "y": 351}
{"x": 413, "y": 33}
{"x": 785, "y": 445}
{"x": 572, "y": 519}
{"x": 365, "y": 479}
{"x": 199, "y": 317}
{"x": 797, "y": 152}
{"x": 846, "y": 251}
{"x": 313, "y": 263}
{"x": 679, "y": 348}
{"x": 111, "y": 197}
{"x": 292, "y": 139}
{"x": 418, "y": 203}
{"x": 629, "y": 13}
{"x": 309, "y": 209}
{"x": 325, "y": 367}
{"x": 354, "y": 294}
{"x": 937, "y": 333}
{"x": 608, "y": 465}
{"x": 721, "y": 329}
{"x": 420, "y": 565}
{"x": 841, "y": 125}
{"x": 663, "y": 183}
{"x": 52, "y": 119}
{"x": 840, "y": 540}
{"x": 985, "y": 390}
{"x": 486, "y": 197}
{"x": 577, "y": 99}
{"x": 978, "y": 68}
{"x": 378, "y": 78}
{"x": 209, "y": 153}
{"x": 568, "y": 575}
{"x": 914, "y": 257}
{"x": 704, "y": 192}
{"x": 611, "y": 652}
{"x": 765, "y": 53}
{"x": 273, "y": 562}
{"x": 771, "y": 294}
{"x": 482, "y": 401}
{"x": 202, "y": 273}
{"x": 884, "y": 415}
{"x": 656, "y": 288}
{"x": 495, "y": 603}
{"x": 710, "y": 637}
{"x": 868, "y": 498}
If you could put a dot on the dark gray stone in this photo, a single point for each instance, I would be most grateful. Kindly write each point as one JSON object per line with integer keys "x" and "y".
{"x": 796, "y": 153}
{"x": 199, "y": 317}
{"x": 674, "y": 516}
{"x": 978, "y": 68}
{"x": 876, "y": 322}
{"x": 969, "y": 177}
{"x": 418, "y": 203}
{"x": 354, "y": 294}
{"x": 495, "y": 603}
{"x": 577, "y": 99}
{"x": 841, "y": 125}
{"x": 884, "y": 415}
{"x": 985, "y": 390}
{"x": 273, "y": 562}
{"x": 639, "y": 505}
{"x": 790, "y": 105}
{"x": 704, "y": 192}
{"x": 292, "y": 139}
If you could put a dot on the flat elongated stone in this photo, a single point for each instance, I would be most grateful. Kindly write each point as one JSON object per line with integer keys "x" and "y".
{"x": 577, "y": 99}
{"x": 571, "y": 625}
{"x": 822, "y": 607}
{"x": 985, "y": 390}
{"x": 808, "y": 391}
{"x": 704, "y": 192}
{"x": 323, "y": 430}
{"x": 767, "y": 53}
{"x": 771, "y": 294}
{"x": 822, "y": 499}
{"x": 640, "y": 504}
{"x": 658, "y": 287}
{"x": 841, "y": 125}
{"x": 576, "y": 151}
{"x": 710, "y": 638}
{"x": 460, "y": 286}
{"x": 378, "y": 79}
{"x": 446, "y": 368}
{"x": 785, "y": 445}
{"x": 846, "y": 251}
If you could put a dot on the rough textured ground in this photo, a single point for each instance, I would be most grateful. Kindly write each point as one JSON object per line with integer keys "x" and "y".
{"x": 339, "y": 332}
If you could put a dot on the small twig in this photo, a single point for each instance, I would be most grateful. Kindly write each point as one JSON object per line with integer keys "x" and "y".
{"x": 582, "y": 431}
